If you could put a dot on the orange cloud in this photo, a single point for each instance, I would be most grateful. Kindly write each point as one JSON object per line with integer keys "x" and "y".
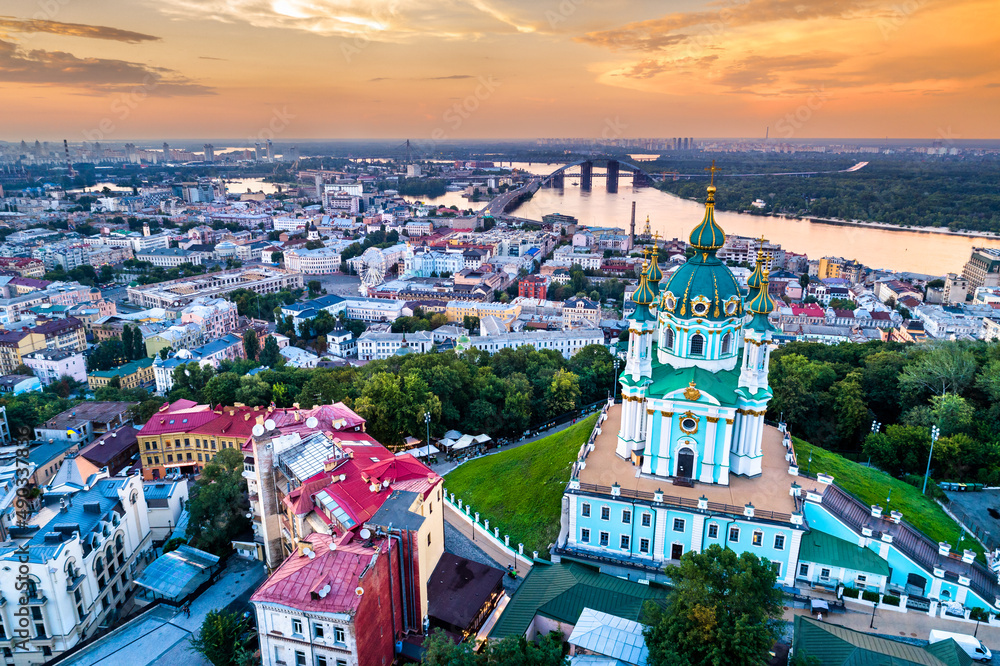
{"x": 73, "y": 30}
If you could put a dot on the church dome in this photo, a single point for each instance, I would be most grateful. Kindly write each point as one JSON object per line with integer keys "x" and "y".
{"x": 708, "y": 235}
{"x": 703, "y": 287}
{"x": 644, "y": 295}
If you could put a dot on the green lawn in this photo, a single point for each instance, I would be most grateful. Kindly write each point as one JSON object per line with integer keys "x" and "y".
{"x": 520, "y": 490}
{"x": 872, "y": 487}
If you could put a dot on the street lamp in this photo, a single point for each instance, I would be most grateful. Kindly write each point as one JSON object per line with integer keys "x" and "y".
{"x": 427, "y": 421}
{"x": 614, "y": 382}
{"x": 935, "y": 433}
{"x": 876, "y": 426}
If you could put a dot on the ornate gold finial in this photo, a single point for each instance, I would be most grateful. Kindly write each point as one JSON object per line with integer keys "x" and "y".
{"x": 712, "y": 169}
{"x": 656, "y": 237}
{"x": 692, "y": 393}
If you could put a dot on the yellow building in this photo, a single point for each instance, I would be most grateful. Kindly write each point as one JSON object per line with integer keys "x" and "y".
{"x": 14, "y": 345}
{"x": 829, "y": 268}
{"x": 133, "y": 375}
{"x": 458, "y": 310}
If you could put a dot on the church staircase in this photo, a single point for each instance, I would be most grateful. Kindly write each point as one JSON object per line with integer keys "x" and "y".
{"x": 911, "y": 542}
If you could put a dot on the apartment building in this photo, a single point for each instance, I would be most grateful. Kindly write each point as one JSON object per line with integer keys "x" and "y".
{"x": 51, "y": 365}
{"x": 215, "y": 316}
{"x": 983, "y": 268}
{"x": 132, "y": 375}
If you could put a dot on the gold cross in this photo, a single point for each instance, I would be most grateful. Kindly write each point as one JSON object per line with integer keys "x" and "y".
{"x": 712, "y": 169}
{"x": 656, "y": 236}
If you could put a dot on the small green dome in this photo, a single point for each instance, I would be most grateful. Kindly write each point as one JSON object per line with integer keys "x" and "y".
{"x": 708, "y": 236}
{"x": 761, "y": 302}
{"x": 756, "y": 278}
{"x": 644, "y": 294}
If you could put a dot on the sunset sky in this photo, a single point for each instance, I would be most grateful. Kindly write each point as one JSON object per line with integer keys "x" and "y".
{"x": 459, "y": 69}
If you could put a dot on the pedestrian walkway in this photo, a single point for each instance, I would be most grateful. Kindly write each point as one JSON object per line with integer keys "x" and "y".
{"x": 912, "y": 625}
{"x": 495, "y": 553}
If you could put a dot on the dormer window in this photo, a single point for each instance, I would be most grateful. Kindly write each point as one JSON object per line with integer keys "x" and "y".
{"x": 731, "y": 307}
{"x": 700, "y": 308}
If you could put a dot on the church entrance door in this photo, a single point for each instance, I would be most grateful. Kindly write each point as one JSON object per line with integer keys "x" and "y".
{"x": 685, "y": 463}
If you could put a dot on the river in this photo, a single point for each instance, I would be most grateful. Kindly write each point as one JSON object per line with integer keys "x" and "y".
{"x": 673, "y": 217}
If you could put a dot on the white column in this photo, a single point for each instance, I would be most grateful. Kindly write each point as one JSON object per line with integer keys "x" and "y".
{"x": 666, "y": 441}
{"x": 728, "y": 438}
{"x": 708, "y": 460}
{"x": 648, "y": 434}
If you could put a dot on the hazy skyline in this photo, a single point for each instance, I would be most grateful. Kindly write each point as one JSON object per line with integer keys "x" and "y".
{"x": 461, "y": 69}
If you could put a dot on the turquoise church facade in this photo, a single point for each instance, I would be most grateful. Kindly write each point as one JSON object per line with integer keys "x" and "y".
{"x": 686, "y": 461}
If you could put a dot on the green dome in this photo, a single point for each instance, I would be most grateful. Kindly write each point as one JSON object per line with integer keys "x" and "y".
{"x": 761, "y": 301}
{"x": 708, "y": 235}
{"x": 702, "y": 288}
{"x": 756, "y": 278}
{"x": 644, "y": 295}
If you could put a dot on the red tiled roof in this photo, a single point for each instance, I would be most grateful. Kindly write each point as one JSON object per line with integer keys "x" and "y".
{"x": 811, "y": 310}
{"x": 880, "y": 315}
{"x": 299, "y": 580}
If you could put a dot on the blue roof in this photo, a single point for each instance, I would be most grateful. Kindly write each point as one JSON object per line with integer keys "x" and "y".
{"x": 84, "y": 512}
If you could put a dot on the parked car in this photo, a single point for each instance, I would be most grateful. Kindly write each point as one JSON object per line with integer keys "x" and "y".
{"x": 971, "y": 645}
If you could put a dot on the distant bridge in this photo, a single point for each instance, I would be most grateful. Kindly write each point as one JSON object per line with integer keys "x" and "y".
{"x": 613, "y": 170}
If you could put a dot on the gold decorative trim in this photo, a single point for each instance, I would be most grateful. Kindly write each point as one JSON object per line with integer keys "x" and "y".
{"x": 689, "y": 415}
{"x": 729, "y": 421}
{"x": 668, "y": 415}
{"x": 712, "y": 419}
{"x": 650, "y": 412}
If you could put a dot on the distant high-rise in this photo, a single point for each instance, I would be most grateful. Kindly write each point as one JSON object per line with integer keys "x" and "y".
{"x": 319, "y": 186}
{"x": 209, "y": 152}
{"x": 258, "y": 152}
{"x": 293, "y": 154}
{"x": 166, "y": 151}
{"x": 270, "y": 151}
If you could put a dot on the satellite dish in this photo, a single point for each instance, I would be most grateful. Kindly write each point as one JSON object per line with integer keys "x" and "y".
{"x": 385, "y": 483}
{"x": 269, "y": 424}
{"x": 359, "y": 590}
{"x": 249, "y": 515}
{"x": 258, "y": 430}
{"x": 343, "y": 477}
{"x": 312, "y": 422}
{"x": 374, "y": 487}
{"x": 365, "y": 533}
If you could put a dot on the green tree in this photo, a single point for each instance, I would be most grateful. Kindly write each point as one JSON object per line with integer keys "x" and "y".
{"x": 945, "y": 368}
{"x": 218, "y": 503}
{"x": 724, "y": 610}
{"x": 138, "y": 344}
{"x": 562, "y": 394}
{"x": 315, "y": 288}
{"x": 127, "y": 345}
{"x": 547, "y": 650}
{"x": 253, "y": 391}
{"x": 270, "y": 354}
{"x": 952, "y": 413}
{"x": 221, "y": 389}
{"x": 220, "y": 637}
{"x": 165, "y": 352}
{"x": 849, "y": 407}
{"x": 173, "y": 544}
{"x": 470, "y": 323}
{"x": 22, "y": 369}
{"x": 899, "y": 450}
{"x": 251, "y": 344}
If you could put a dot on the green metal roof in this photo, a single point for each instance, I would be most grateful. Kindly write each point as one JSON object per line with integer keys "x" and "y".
{"x": 834, "y": 645}
{"x": 703, "y": 275}
{"x": 723, "y": 385}
{"x": 561, "y": 592}
{"x": 123, "y": 370}
{"x": 824, "y": 548}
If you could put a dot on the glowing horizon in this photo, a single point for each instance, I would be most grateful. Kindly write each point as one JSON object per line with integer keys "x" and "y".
{"x": 436, "y": 70}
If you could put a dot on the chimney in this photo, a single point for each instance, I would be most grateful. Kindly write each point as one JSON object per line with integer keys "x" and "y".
{"x": 295, "y": 405}
{"x": 260, "y": 419}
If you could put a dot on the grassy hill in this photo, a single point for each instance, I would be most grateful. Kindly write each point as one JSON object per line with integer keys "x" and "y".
{"x": 873, "y": 487}
{"x": 520, "y": 490}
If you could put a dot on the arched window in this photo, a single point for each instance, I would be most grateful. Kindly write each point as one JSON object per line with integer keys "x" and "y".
{"x": 98, "y": 565}
{"x": 669, "y": 339}
{"x": 119, "y": 543}
{"x": 727, "y": 342}
{"x": 697, "y": 346}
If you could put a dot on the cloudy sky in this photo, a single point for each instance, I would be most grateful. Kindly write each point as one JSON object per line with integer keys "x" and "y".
{"x": 145, "y": 69}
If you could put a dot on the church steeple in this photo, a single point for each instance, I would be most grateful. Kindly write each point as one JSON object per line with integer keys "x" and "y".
{"x": 708, "y": 236}
{"x": 643, "y": 296}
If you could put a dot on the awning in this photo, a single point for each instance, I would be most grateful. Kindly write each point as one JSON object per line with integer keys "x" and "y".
{"x": 421, "y": 451}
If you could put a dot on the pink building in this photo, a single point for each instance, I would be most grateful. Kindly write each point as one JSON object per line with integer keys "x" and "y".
{"x": 50, "y": 365}
{"x": 215, "y": 316}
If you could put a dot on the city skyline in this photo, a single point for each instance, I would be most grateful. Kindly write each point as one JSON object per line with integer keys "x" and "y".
{"x": 480, "y": 69}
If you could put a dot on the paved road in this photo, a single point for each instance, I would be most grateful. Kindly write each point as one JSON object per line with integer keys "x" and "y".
{"x": 487, "y": 546}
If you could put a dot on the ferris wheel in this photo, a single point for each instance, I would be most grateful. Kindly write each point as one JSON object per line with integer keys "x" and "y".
{"x": 373, "y": 271}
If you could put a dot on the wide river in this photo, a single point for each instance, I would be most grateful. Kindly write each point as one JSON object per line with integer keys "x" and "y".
{"x": 673, "y": 217}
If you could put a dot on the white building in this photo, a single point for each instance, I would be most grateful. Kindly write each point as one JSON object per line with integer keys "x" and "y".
{"x": 169, "y": 257}
{"x": 341, "y": 342}
{"x": 51, "y": 365}
{"x": 566, "y": 343}
{"x": 78, "y": 567}
{"x": 165, "y": 500}
{"x": 299, "y": 358}
{"x": 429, "y": 263}
{"x": 321, "y": 261}
{"x": 374, "y": 309}
{"x": 374, "y": 346}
